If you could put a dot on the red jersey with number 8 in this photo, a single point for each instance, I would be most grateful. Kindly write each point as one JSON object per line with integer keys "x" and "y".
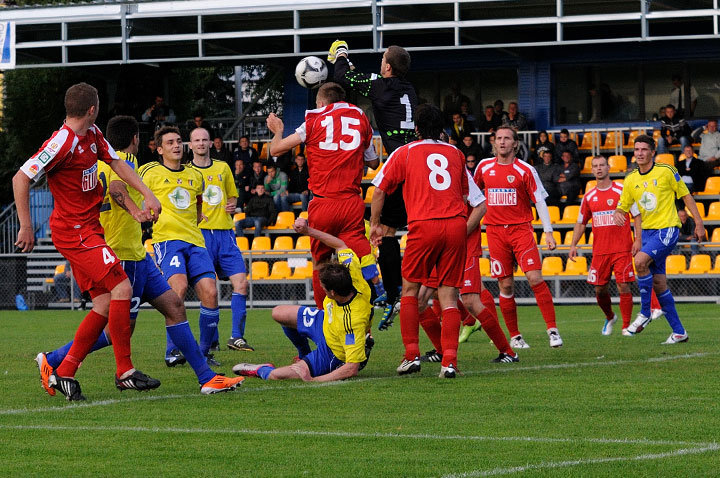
{"x": 338, "y": 141}
{"x": 434, "y": 179}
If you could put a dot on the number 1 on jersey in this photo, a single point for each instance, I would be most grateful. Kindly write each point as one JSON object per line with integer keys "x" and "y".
{"x": 408, "y": 123}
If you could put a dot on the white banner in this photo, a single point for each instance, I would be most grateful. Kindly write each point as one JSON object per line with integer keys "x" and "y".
{"x": 7, "y": 45}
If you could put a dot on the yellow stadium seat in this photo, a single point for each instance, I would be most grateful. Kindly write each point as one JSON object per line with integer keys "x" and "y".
{"x": 259, "y": 270}
{"x": 590, "y": 239}
{"x": 715, "y": 235}
{"x": 303, "y": 244}
{"x": 618, "y": 163}
{"x": 285, "y": 220}
{"x": 371, "y": 173}
{"x": 484, "y": 264}
{"x": 699, "y": 264}
{"x": 587, "y": 165}
{"x": 588, "y": 141}
{"x": 304, "y": 215}
{"x": 712, "y": 186}
{"x": 568, "y": 239}
{"x": 483, "y": 240}
{"x": 264, "y": 151}
{"x": 665, "y": 158}
{"x": 148, "y": 248}
{"x": 303, "y": 272}
{"x": 242, "y": 243}
{"x": 570, "y": 214}
{"x": 261, "y": 243}
{"x": 403, "y": 242}
{"x": 612, "y": 139}
{"x": 590, "y": 184}
{"x": 552, "y": 266}
{"x": 553, "y": 212}
{"x": 631, "y": 138}
{"x": 60, "y": 269}
{"x": 656, "y": 135}
{"x": 713, "y": 213}
{"x": 369, "y": 194}
{"x": 283, "y": 244}
{"x": 280, "y": 270}
{"x": 556, "y": 236}
{"x": 675, "y": 264}
{"x": 577, "y": 268}
{"x": 716, "y": 269}
{"x": 701, "y": 209}
{"x": 239, "y": 216}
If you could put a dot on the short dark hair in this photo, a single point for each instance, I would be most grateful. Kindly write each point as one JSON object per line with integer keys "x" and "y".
{"x": 565, "y": 131}
{"x": 399, "y": 59}
{"x": 121, "y": 130}
{"x": 429, "y": 121}
{"x": 670, "y": 106}
{"x": 79, "y": 99}
{"x": 474, "y": 159}
{"x": 162, "y": 132}
{"x": 336, "y": 277}
{"x": 499, "y": 102}
{"x": 331, "y": 92}
{"x": 676, "y": 76}
{"x": 271, "y": 166}
{"x": 643, "y": 138}
{"x": 245, "y": 137}
{"x": 600, "y": 156}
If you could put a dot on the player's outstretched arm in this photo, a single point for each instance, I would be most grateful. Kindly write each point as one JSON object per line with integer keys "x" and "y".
{"x": 118, "y": 191}
{"x": 301, "y": 227}
{"x": 21, "y": 191}
{"x": 278, "y": 144}
{"x": 544, "y": 215}
{"x": 376, "y": 230}
{"x": 476, "y": 216}
{"x": 341, "y": 373}
{"x": 699, "y": 226}
{"x": 127, "y": 174}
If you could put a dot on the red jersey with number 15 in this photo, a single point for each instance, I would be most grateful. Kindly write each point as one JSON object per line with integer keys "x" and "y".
{"x": 510, "y": 190}
{"x": 70, "y": 162}
{"x": 599, "y": 205}
{"x": 434, "y": 179}
{"x": 338, "y": 141}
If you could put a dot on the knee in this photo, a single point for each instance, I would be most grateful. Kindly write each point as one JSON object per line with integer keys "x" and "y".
{"x": 122, "y": 291}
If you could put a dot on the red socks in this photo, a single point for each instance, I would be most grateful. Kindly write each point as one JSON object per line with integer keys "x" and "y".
{"x": 492, "y": 328}
{"x": 409, "y": 325}
{"x": 626, "y": 307}
{"x": 466, "y": 317}
{"x": 450, "y": 333}
{"x": 85, "y": 337}
{"x": 431, "y": 325}
{"x": 509, "y": 312}
{"x": 488, "y": 301}
{"x": 545, "y": 302}
{"x": 119, "y": 326}
{"x": 654, "y": 302}
{"x": 603, "y": 300}
{"x": 318, "y": 291}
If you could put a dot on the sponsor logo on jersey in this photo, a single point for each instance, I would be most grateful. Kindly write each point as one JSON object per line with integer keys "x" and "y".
{"x": 34, "y": 169}
{"x": 530, "y": 262}
{"x": 595, "y": 198}
{"x": 492, "y": 172}
{"x": 511, "y": 178}
{"x": 502, "y": 197}
{"x": 648, "y": 201}
{"x": 167, "y": 181}
{"x": 89, "y": 178}
{"x": 80, "y": 149}
{"x": 603, "y": 218}
{"x": 44, "y": 157}
{"x": 468, "y": 283}
{"x": 93, "y": 148}
{"x": 53, "y": 147}
{"x": 213, "y": 195}
{"x": 180, "y": 198}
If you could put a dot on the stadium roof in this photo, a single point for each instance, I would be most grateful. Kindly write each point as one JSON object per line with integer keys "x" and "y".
{"x": 115, "y": 32}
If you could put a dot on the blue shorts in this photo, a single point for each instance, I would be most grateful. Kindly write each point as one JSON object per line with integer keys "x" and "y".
{"x": 180, "y": 257}
{"x": 658, "y": 244}
{"x": 147, "y": 282}
{"x": 224, "y": 253}
{"x": 321, "y": 361}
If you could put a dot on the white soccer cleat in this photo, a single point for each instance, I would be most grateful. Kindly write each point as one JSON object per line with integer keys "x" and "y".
{"x": 555, "y": 339}
{"x": 409, "y": 366}
{"x": 676, "y": 339}
{"x": 608, "y": 327}
{"x": 518, "y": 342}
{"x": 639, "y": 324}
{"x": 627, "y": 333}
{"x": 448, "y": 372}
{"x": 656, "y": 314}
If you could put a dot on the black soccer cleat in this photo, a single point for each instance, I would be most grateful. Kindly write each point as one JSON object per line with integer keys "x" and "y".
{"x": 369, "y": 344}
{"x": 137, "y": 381}
{"x": 211, "y": 360}
{"x": 431, "y": 356}
{"x": 67, "y": 386}
{"x": 505, "y": 358}
{"x": 175, "y": 357}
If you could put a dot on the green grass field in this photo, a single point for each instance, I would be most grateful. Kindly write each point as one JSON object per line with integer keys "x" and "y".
{"x": 599, "y": 406}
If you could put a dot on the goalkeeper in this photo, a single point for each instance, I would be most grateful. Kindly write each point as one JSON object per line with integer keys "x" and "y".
{"x": 393, "y": 101}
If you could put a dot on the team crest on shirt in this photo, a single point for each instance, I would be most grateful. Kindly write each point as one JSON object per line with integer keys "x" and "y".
{"x": 89, "y": 178}
{"x": 511, "y": 178}
{"x": 93, "y": 148}
{"x": 209, "y": 177}
{"x": 180, "y": 198}
{"x": 179, "y": 181}
{"x": 610, "y": 202}
{"x": 213, "y": 195}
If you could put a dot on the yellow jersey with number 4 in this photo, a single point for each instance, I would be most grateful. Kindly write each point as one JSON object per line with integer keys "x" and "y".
{"x": 654, "y": 193}
{"x": 219, "y": 186}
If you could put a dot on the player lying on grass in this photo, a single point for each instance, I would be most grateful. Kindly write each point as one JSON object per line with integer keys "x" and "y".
{"x": 338, "y": 330}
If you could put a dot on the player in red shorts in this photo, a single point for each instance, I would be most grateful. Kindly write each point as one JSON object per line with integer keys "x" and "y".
{"x": 338, "y": 144}
{"x": 510, "y": 186}
{"x": 613, "y": 246}
{"x": 435, "y": 185}
{"x": 69, "y": 159}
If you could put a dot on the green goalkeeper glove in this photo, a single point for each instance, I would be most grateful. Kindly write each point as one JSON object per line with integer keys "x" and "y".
{"x": 338, "y": 47}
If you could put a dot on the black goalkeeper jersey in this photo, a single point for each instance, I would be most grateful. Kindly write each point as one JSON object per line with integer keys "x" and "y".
{"x": 393, "y": 101}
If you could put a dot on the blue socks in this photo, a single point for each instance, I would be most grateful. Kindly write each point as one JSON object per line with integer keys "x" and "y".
{"x": 645, "y": 284}
{"x": 208, "y": 326}
{"x": 56, "y": 357}
{"x": 239, "y": 314}
{"x": 182, "y": 336}
{"x": 667, "y": 302}
{"x": 301, "y": 343}
{"x": 264, "y": 372}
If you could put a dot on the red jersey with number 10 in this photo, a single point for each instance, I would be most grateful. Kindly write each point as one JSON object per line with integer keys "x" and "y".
{"x": 336, "y": 139}
{"x": 434, "y": 179}
{"x": 70, "y": 162}
{"x": 510, "y": 190}
{"x": 599, "y": 205}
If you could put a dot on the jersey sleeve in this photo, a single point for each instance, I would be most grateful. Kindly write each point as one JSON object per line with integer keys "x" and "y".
{"x": 475, "y": 195}
{"x": 353, "y": 79}
{"x": 391, "y": 174}
{"x": 105, "y": 152}
{"x": 634, "y": 210}
{"x": 584, "y": 214}
{"x": 302, "y": 131}
{"x": 229, "y": 182}
{"x": 536, "y": 190}
{"x": 679, "y": 185}
{"x": 626, "y": 200}
{"x": 60, "y": 145}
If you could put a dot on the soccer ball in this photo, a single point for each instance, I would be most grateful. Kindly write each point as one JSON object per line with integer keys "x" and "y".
{"x": 311, "y": 72}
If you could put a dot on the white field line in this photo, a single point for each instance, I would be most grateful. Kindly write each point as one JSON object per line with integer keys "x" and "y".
{"x": 588, "y": 461}
{"x": 341, "y": 434}
{"x": 290, "y": 386}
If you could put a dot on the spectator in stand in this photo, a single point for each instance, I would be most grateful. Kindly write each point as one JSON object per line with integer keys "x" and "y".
{"x": 471, "y": 163}
{"x": 459, "y": 128}
{"x": 259, "y": 212}
{"x": 468, "y": 146}
{"x": 685, "y": 234}
{"x": 199, "y": 122}
{"x": 276, "y": 183}
{"x": 499, "y": 108}
{"x": 452, "y": 103}
{"x": 678, "y": 97}
{"x": 569, "y": 180}
{"x": 489, "y": 147}
{"x": 282, "y": 163}
{"x": 246, "y": 152}
{"x": 466, "y": 112}
{"x": 710, "y": 146}
{"x": 220, "y": 152}
{"x": 692, "y": 170}
{"x": 542, "y": 143}
{"x": 675, "y": 130}
{"x": 150, "y": 153}
{"x": 659, "y": 114}
{"x": 514, "y": 119}
{"x": 298, "y": 189}
{"x": 242, "y": 182}
{"x": 489, "y": 121}
{"x": 159, "y": 114}
{"x": 566, "y": 144}
{"x": 257, "y": 176}
{"x": 549, "y": 173}
{"x": 61, "y": 283}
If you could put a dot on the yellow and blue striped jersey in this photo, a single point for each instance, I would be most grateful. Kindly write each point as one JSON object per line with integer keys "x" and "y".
{"x": 219, "y": 186}
{"x": 122, "y": 232}
{"x": 654, "y": 193}
{"x": 345, "y": 325}
{"x": 178, "y": 193}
